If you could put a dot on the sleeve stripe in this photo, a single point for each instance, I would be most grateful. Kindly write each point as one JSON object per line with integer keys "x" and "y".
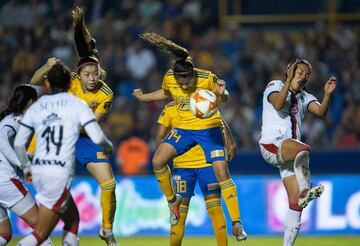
{"x": 270, "y": 95}
{"x": 92, "y": 120}
{"x": 107, "y": 89}
{"x": 105, "y": 92}
{"x": 11, "y": 127}
{"x": 26, "y": 126}
{"x": 314, "y": 100}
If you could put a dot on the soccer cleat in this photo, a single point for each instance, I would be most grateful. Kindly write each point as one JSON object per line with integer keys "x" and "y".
{"x": 238, "y": 231}
{"x": 175, "y": 210}
{"x": 307, "y": 195}
{"x": 108, "y": 236}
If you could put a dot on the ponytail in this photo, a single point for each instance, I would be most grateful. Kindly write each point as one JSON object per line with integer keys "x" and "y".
{"x": 183, "y": 65}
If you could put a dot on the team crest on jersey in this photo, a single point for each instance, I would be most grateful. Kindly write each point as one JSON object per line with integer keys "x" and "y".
{"x": 92, "y": 104}
{"x": 51, "y": 118}
{"x": 177, "y": 177}
{"x": 107, "y": 105}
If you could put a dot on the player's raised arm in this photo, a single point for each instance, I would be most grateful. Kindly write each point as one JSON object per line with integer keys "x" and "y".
{"x": 152, "y": 96}
{"x": 318, "y": 109}
{"x": 40, "y": 75}
{"x": 277, "y": 99}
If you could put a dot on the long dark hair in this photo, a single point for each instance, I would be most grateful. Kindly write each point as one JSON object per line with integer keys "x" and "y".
{"x": 22, "y": 95}
{"x": 183, "y": 65}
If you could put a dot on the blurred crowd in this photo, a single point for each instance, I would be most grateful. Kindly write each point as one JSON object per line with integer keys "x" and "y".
{"x": 246, "y": 58}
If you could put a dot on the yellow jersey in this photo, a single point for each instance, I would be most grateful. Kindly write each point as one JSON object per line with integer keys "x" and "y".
{"x": 99, "y": 100}
{"x": 194, "y": 157}
{"x": 187, "y": 120}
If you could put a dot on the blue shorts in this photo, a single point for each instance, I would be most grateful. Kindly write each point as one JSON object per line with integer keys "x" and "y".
{"x": 86, "y": 151}
{"x": 185, "y": 181}
{"x": 211, "y": 141}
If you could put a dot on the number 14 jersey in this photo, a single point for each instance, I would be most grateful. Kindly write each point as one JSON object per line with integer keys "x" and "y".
{"x": 56, "y": 120}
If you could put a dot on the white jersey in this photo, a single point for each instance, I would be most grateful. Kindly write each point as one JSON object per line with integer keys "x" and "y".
{"x": 8, "y": 129}
{"x": 56, "y": 120}
{"x": 285, "y": 123}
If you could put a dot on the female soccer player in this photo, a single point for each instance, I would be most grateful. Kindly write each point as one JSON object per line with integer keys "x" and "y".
{"x": 179, "y": 83}
{"x": 87, "y": 83}
{"x": 56, "y": 120}
{"x": 284, "y": 107}
{"x": 14, "y": 196}
{"x": 190, "y": 168}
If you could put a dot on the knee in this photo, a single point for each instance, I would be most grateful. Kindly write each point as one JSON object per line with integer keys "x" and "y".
{"x": 158, "y": 162}
{"x": 221, "y": 171}
{"x": 303, "y": 148}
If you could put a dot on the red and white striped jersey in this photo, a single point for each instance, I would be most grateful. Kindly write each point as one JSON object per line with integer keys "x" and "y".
{"x": 285, "y": 123}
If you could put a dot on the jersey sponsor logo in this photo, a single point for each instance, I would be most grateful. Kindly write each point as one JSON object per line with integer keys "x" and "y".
{"x": 42, "y": 162}
{"x": 51, "y": 118}
{"x": 213, "y": 186}
{"x": 107, "y": 105}
{"x": 217, "y": 153}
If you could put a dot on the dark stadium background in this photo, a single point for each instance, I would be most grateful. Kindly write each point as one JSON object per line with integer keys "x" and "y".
{"x": 245, "y": 42}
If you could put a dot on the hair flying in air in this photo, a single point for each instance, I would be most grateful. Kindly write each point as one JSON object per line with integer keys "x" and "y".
{"x": 183, "y": 65}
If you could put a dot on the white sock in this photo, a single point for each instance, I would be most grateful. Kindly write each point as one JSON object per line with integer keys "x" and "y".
{"x": 29, "y": 240}
{"x": 301, "y": 169}
{"x": 70, "y": 239}
{"x": 292, "y": 227}
{"x": 47, "y": 242}
{"x": 3, "y": 242}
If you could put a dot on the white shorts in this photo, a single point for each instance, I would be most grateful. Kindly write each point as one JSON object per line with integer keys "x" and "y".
{"x": 15, "y": 197}
{"x": 53, "y": 192}
{"x": 272, "y": 155}
{"x": 12, "y": 191}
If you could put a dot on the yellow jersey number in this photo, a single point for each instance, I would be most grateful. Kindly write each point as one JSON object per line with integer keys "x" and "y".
{"x": 174, "y": 134}
{"x": 180, "y": 186}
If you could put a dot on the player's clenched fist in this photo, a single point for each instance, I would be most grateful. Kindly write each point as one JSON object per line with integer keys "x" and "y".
{"x": 77, "y": 15}
{"x": 51, "y": 62}
{"x": 138, "y": 94}
{"x": 330, "y": 85}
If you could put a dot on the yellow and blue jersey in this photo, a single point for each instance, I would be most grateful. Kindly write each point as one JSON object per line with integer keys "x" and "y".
{"x": 187, "y": 120}
{"x": 99, "y": 100}
{"x": 194, "y": 157}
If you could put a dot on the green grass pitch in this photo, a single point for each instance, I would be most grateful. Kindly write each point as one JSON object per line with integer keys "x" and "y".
{"x": 210, "y": 241}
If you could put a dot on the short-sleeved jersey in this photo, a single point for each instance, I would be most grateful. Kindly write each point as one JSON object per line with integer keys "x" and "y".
{"x": 6, "y": 170}
{"x": 56, "y": 120}
{"x": 203, "y": 80}
{"x": 287, "y": 121}
{"x": 99, "y": 100}
{"x": 193, "y": 158}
